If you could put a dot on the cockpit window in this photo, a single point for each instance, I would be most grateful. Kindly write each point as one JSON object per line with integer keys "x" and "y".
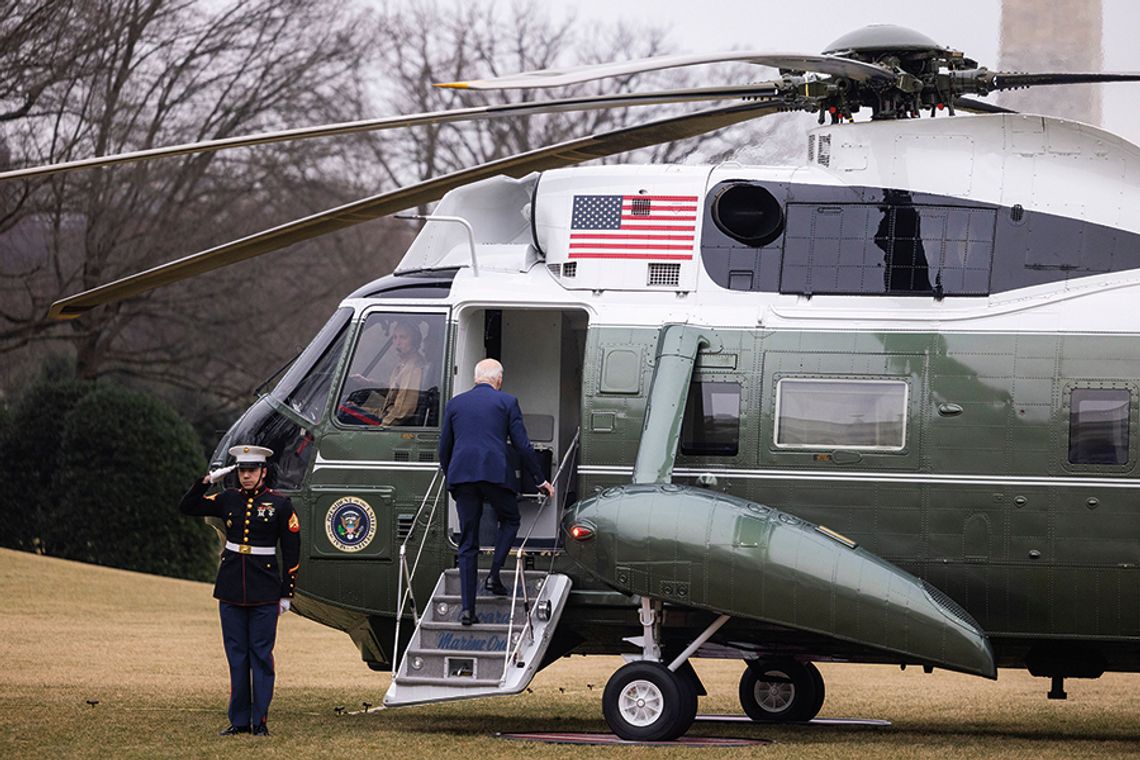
{"x": 395, "y": 374}
{"x": 305, "y": 387}
{"x": 292, "y": 445}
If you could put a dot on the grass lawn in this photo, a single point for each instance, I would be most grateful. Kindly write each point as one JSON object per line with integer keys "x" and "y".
{"x": 149, "y": 651}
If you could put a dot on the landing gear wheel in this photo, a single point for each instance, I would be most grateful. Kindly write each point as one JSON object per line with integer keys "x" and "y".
{"x": 780, "y": 691}
{"x": 645, "y": 701}
{"x": 820, "y": 691}
{"x": 689, "y": 695}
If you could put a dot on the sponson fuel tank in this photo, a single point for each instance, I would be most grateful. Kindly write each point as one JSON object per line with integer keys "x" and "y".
{"x": 708, "y": 550}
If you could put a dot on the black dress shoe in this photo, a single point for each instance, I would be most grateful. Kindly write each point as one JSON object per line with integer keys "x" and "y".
{"x": 234, "y": 731}
{"x": 261, "y": 730}
{"x": 467, "y": 617}
{"x": 495, "y": 586}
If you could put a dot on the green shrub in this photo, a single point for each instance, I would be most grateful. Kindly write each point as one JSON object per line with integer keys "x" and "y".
{"x": 125, "y": 461}
{"x": 29, "y": 448}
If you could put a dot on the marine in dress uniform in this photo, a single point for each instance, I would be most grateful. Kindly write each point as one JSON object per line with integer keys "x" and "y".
{"x": 478, "y": 427}
{"x": 251, "y": 589}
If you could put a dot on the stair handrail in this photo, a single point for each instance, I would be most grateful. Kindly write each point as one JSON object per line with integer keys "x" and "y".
{"x": 406, "y": 593}
{"x": 520, "y": 564}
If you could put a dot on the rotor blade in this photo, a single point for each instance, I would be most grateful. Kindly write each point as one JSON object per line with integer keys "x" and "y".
{"x": 584, "y": 103}
{"x": 1011, "y": 81}
{"x": 564, "y": 154}
{"x": 978, "y": 106}
{"x": 823, "y": 64}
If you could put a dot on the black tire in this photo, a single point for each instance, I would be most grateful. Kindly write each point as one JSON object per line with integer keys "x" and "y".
{"x": 690, "y": 692}
{"x": 645, "y": 701}
{"x": 820, "y": 692}
{"x": 778, "y": 691}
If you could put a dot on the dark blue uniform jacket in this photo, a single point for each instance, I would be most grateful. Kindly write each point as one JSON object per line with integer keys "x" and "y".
{"x": 262, "y": 518}
{"x": 473, "y": 443}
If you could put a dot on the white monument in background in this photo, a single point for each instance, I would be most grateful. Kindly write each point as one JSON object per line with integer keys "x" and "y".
{"x": 1062, "y": 35}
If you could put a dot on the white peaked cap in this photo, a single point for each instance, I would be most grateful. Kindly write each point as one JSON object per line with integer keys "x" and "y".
{"x": 250, "y": 454}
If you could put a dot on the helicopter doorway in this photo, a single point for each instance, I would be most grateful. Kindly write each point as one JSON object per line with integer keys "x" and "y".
{"x": 542, "y": 353}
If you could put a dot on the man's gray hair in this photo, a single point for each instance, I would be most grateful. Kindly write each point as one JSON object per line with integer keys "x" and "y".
{"x": 488, "y": 371}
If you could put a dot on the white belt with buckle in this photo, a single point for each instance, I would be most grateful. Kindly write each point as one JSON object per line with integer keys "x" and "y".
{"x": 246, "y": 549}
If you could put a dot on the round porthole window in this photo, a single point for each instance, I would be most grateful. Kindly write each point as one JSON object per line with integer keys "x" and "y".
{"x": 749, "y": 214}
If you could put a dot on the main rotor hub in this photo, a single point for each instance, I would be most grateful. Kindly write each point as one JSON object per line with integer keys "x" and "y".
{"x": 918, "y": 62}
{"x": 879, "y": 38}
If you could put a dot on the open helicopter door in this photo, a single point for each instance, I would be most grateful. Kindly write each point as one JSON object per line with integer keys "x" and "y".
{"x": 542, "y": 352}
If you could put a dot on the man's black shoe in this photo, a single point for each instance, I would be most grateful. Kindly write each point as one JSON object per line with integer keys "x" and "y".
{"x": 495, "y": 586}
{"x": 261, "y": 730}
{"x": 467, "y": 617}
{"x": 234, "y": 731}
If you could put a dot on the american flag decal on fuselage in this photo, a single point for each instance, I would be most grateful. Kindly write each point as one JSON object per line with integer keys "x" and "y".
{"x": 661, "y": 227}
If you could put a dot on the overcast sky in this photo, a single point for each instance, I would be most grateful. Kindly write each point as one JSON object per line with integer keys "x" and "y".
{"x": 808, "y": 26}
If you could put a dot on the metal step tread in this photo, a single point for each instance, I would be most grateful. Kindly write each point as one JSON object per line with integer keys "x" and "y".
{"x": 530, "y": 574}
{"x": 444, "y": 625}
{"x": 497, "y": 654}
{"x": 480, "y": 599}
{"x": 445, "y": 681}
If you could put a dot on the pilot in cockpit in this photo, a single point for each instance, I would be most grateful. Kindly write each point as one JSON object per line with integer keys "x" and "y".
{"x": 397, "y": 402}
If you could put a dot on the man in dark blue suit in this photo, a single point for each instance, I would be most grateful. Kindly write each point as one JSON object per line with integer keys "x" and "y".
{"x": 478, "y": 427}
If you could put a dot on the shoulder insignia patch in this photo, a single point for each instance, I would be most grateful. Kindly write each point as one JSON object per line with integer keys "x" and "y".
{"x": 294, "y": 523}
{"x": 211, "y": 497}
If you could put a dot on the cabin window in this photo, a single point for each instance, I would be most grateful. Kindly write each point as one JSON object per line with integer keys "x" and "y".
{"x": 838, "y": 413}
{"x": 394, "y": 377}
{"x": 305, "y": 387}
{"x": 711, "y": 424}
{"x": 895, "y": 248}
{"x": 1098, "y": 425}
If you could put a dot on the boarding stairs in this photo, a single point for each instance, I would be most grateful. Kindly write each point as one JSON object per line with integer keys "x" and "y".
{"x": 500, "y": 654}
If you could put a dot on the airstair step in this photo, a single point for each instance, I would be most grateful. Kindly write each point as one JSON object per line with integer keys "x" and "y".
{"x": 459, "y": 666}
{"x": 453, "y": 572}
{"x": 533, "y": 578}
{"x": 425, "y": 652}
{"x": 468, "y": 638}
{"x": 449, "y": 682}
{"x": 443, "y": 625}
{"x": 446, "y": 660}
{"x": 480, "y": 599}
{"x": 446, "y": 608}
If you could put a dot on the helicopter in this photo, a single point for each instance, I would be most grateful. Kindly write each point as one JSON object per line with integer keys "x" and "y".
{"x": 876, "y": 407}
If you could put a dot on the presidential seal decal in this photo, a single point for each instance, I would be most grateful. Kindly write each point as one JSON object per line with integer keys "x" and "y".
{"x": 350, "y": 524}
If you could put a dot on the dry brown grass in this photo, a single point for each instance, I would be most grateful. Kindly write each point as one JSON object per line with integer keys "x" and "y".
{"x": 149, "y": 650}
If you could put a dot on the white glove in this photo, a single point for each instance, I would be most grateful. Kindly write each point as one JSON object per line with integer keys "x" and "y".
{"x": 216, "y": 475}
{"x": 284, "y": 605}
